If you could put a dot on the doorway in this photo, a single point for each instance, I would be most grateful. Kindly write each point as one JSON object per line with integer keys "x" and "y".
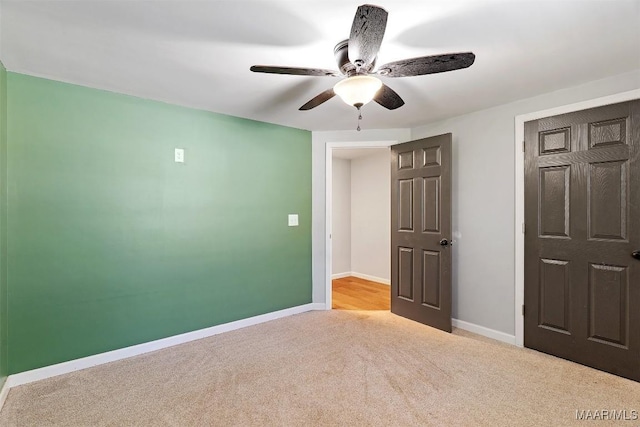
{"x": 360, "y": 228}
{"x": 582, "y": 244}
{"x": 420, "y": 226}
{"x": 519, "y": 190}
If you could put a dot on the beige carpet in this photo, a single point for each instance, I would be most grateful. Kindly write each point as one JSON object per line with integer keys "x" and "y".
{"x": 328, "y": 368}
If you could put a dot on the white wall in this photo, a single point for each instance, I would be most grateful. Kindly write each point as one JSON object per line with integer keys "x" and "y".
{"x": 483, "y": 199}
{"x": 371, "y": 216}
{"x": 341, "y": 216}
{"x": 318, "y": 190}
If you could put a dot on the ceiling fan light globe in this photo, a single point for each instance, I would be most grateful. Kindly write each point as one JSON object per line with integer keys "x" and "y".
{"x": 357, "y": 89}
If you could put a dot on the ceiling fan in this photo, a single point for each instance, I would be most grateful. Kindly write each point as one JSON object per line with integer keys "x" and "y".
{"x": 356, "y": 58}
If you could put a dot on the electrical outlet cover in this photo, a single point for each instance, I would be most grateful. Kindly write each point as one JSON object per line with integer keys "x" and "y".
{"x": 179, "y": 155}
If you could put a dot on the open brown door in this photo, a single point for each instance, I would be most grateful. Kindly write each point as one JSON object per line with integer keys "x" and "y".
{"x": 421, "y": 231}
{"x": 582, "y": 241}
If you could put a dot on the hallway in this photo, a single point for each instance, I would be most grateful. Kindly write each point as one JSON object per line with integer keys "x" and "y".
{"x": 352, "y": 293}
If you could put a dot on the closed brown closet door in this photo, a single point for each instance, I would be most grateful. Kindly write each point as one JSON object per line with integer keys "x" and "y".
{"x": 582, "y": 213}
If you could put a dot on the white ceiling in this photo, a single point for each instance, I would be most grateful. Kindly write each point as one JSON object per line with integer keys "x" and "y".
{"x": 198, "y": 54}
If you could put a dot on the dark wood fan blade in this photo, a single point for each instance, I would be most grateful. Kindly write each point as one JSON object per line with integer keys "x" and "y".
{"x": 294, "y": 71}
{"x": 323, "y": 97}
{"x": 366, "y": 36}
{"x": 388, "y": 98}
{"x": 427, "y": 65}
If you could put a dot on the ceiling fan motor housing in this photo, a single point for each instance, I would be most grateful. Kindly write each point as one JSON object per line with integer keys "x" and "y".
{"x": 346, "y": 67}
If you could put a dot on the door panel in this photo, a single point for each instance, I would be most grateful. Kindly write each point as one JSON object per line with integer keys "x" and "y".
{"x": 431, "y": 210}
{"x": 405, "y": 189}
{"x": 608, "y": 314}
{"x": 420, "y": 219}
{"x": 582, "y": 214}
{"x": 431, "y": 278}
{"x": 610, "y": 132}
{"x": 554, "y": 201}
{"x": 607, "y": 199}
{"x": 555, "y": 141}
{"x": 405, "y": 274}
{"x": 554, "y": 294}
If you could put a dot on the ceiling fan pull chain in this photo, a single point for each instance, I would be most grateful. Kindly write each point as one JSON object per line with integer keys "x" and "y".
{"x": 359, "y": 118}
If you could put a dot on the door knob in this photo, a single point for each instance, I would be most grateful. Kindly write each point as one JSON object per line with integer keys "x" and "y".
{"x": 635, "y": 254}
{"x": 444, "y": 242}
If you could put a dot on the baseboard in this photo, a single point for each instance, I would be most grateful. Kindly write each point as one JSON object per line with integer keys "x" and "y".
{"x": 360, "y": 276}
{"x": 486, "y": 332}
{"x": 124, "y": 353}
{"x": 372, "y": 278}
{"x": 4, "y": 392}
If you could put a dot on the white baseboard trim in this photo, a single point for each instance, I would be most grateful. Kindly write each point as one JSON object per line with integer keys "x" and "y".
{"x": 124, "y": 353}
{"x": 486, "y": 332}
{"x": 4, "y": 392}
{"x": 372, "y": 278}
{"x": 361, "y": 276}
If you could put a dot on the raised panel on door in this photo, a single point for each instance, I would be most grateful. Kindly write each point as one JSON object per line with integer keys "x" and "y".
{"x": 405, "y": 273}
{"x": 405, "y": 160}
{"x": 405, "y": 204}
{"x": 582, "y": 211}
{"x": 555, "y": 141}
{"x": 608, "y": 132}
{"x": 554, "y": 295}
{"x": 607, "y": 200}
{"x": 431, "y": 205}
{"x": 431, "y": 156}
{"x": 431, "y": 279}
{"x": 609, "y": 304}
{"x": 421, "y": 219}
{"x": 554, "y": 194}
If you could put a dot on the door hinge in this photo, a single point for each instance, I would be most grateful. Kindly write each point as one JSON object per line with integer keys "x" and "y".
{"x": 523, "y": 309}
{"x": 524, "y": 228}
{"x": 524, "y": 145}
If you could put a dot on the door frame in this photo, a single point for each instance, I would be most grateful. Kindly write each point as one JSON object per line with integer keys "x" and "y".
{"x": 329, "y": 146}
{"x": 519, "y": 186}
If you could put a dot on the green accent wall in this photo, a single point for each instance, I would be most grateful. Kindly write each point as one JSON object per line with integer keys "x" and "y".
{"x": 4, "y": 310}
{"x": 112, "y": 243}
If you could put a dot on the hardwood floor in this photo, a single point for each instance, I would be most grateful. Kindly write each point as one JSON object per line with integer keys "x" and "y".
{"x": 352, "y": 293}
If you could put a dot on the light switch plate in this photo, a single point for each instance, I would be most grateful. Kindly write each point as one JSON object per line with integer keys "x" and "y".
{"x": 293, "y": 220}
{"x": 179, "y": 155}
